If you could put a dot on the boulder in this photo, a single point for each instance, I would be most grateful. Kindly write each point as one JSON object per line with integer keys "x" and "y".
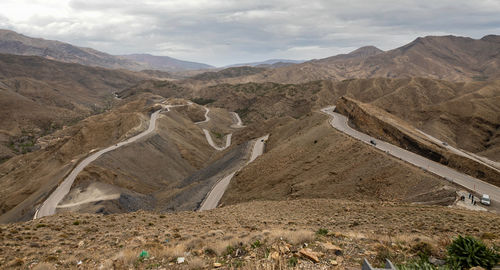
{"x": 309, "y": 254}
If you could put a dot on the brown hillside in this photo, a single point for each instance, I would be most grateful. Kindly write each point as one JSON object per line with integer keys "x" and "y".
{"x": 14, "y": 43}
{"x": 27, "y": 179}
{"x": 380, "y": 124}
{"x": 466, "y": 115}
{"x": 439, "y": 57}
{"x": 38, "y": 96}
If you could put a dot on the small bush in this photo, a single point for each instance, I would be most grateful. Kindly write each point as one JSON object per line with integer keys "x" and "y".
{"x": 292, "y": 262}
{"x": 420, "y": 265}
{"x": 203, "y": 101}
{"x": 488, "y": 236}
{"x": 256, "y": 244}
{"x": 383, "y": 253}
{"x": 76, "y": 222}
{"x": 41, "y": 225}
{"x": 229, "y": 250}
{"x": 467, "y": 252}
{"x": 237, "y": 263}
{"x": 423, "y": 250}
{"x": 322, "y": 232}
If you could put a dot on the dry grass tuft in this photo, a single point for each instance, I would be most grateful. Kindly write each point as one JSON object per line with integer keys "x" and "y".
{"x": 220, "y": 247}
{"x": 293, "y": 237}
{"x": 44, "y": 266}
{"x": 196, "y": 243}
{"x": 172, "y": 251}
{"x": 196, "y": 263}
{"x": 128, "y": 256}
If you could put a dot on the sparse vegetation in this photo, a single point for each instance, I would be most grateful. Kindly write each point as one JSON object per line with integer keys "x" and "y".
{"x": 421, "y": 265}
{"x": 322, "y": 231}
{"x": 422, "y": 249}
{"x": 468, "y": 251}
{"x": 256, "y": 244}
{"x": 251, "y": 246}
{"x": 202, "y": 101}
{"x": 293, "y": 261}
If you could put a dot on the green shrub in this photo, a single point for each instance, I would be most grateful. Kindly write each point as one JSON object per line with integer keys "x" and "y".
{"x": 293, "y": 261}
{"x": 322, "y": 232}
{"x": 203, "y": 101}
{"x": 467, "y": 252}
{"x": 256, "y": 244}
{"x": 229, "y": 250}
{"x": 420, "y": 265}
{"x": 422, "y": 249}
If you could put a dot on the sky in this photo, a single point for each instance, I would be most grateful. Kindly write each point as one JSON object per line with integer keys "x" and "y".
{"x": 221, "y": 32}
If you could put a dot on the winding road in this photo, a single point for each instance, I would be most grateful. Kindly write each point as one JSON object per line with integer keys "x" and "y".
{"x": 486, "y": 162}
{"x": 50, "y": 204}
{"x": 238, "y": 124}
{"x": 212, "y": 199}
{"x": 339, "y": 122}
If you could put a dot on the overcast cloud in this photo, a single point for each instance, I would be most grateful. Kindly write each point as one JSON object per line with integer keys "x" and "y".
{"x": 221, "y": 32}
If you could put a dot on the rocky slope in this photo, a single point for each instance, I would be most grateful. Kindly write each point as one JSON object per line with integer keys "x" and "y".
{"x": 307, "y": 158}
{"x": 257, "y": 235}
{"x": 39, "y": 96}
{"x": 172, "y": 170}
{"x": 380, "y": 124}
{"x": 440, "y": 108}
{"x": 27, "y": 179}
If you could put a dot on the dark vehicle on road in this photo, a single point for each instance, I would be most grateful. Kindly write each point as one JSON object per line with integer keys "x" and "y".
{"x": 373, "y": 142}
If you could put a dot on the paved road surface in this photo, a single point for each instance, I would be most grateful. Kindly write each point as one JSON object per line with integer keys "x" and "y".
{"x": 207, "y": 118}
{"x": 339, "y": 122}
{"x": 486, "y": 162}
{"x": 49, "y": 206}
{"x": 211, "y": 142}
{"x": 239, "y": 123}
{"x": 208, "y": 136}
{"x": 214, "y": 196}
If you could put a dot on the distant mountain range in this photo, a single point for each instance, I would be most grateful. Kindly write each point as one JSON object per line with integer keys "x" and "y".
{"x": 164, "y": 62}
{"x": 269, "y": 63}
{"x": 439, "y": 57}
{"x": 14, "y": 43}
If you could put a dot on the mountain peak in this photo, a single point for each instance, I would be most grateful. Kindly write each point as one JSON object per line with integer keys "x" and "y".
{"x": 491, "y": 38}
{"x": 366, "y": 51}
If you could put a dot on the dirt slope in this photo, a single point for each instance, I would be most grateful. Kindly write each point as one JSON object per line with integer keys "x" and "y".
{"x": 39, "y": 96}
{"x": 27, "y": 179}
{"x": 466, "y": 115}
{"x": 371, "y": 230}
{"x": 171, "y": 170}
{"x": 380, "y": 124}
{"x": 307, "y": 158}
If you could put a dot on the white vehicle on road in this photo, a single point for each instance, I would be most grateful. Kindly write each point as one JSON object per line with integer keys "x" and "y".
{"x": 486, "y": 199}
